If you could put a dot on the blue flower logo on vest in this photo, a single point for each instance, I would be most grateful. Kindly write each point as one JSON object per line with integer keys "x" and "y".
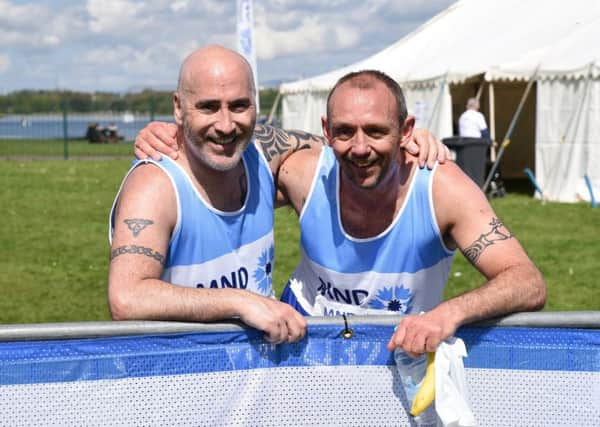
{"x": 396, "y": 298}
{"x": 263, "y": 273}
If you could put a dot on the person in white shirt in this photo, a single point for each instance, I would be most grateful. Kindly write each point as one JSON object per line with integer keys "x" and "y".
{"x": 471, "y": 123}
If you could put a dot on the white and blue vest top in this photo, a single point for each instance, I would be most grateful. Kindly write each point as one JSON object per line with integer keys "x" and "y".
{"x": 210, "y": 248}
{"x": 403, "y": 270}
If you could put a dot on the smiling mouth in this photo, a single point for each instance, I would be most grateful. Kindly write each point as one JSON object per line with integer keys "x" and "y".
{"x": 224, "y": 141}
{"x": 363, "y": 164}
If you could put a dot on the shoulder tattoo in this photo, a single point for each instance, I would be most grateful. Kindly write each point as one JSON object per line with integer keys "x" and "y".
{"x": 139, "y": 250}
{"x": 276, "y": 141}
{"x": 136, "y": 225}
{"x": 498, "y": 233}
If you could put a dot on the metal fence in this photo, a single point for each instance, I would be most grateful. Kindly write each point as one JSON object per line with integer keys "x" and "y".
{"x": 66, "y": 134}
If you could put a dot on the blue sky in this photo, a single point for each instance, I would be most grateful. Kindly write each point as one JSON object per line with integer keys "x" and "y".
{"x": 127, "y": 45}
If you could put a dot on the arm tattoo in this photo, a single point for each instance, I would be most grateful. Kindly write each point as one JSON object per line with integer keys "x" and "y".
{"x": 276, "y": 141}
{"x": 498, "y": 233}
{"x": 140, "y": 250}
{"x": 137, "y": 224}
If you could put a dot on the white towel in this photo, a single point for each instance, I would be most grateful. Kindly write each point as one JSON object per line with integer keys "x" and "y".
{"x": 451, "y": 394}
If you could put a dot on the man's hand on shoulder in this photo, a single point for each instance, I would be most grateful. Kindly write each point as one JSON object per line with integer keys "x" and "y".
{"x": 427, "y": 148}
{"x": 157, "y": 138}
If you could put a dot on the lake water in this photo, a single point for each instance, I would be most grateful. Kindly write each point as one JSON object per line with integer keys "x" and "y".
{"x": 50, "y": 126}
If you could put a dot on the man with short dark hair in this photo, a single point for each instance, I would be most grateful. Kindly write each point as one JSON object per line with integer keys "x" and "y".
{"x": 378, "y": 232}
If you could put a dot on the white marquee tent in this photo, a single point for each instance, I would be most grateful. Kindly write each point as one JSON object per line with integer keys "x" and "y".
{"x": 494, "y": 48}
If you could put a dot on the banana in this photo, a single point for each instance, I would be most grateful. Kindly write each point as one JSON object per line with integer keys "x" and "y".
{"x": 426, "y": 392}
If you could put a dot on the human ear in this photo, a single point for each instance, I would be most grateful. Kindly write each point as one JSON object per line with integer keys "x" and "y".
{"x": 325, "y": 126}
{"x": 177, "y": 108}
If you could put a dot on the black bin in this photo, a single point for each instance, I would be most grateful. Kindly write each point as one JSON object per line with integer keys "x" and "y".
{"x": 470, "y": 154}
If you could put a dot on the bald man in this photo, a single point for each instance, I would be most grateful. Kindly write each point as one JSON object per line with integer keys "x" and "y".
{"x": 192, "y": 238}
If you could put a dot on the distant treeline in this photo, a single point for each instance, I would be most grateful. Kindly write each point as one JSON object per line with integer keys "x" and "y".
{"x": 44, "y": 101}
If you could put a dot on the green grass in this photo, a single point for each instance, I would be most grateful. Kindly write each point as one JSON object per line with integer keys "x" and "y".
{"x": 53, "y": 244}
{"x": 54, "y": 248}
{"x": 56, "y": 148}
{"x": 562, "y": 239}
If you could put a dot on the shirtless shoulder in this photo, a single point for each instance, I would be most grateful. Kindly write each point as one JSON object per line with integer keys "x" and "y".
{"x": 296, "y": 176}
{"x": 148, "y": 191}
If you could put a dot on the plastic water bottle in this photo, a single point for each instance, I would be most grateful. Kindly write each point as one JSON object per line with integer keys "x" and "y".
{"x": 412, "y": 372}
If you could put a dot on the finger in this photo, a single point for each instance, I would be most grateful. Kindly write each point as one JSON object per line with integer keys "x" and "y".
{"x": 169, "y": 129}
{"x": 284, "y": 331}
{"x": 441, "y": 157}
{"x": 167, "y": 136}
{"x": 431, "y": 345}
{"x": 448, "y": 153}
{"x": 397, "y": 338}
{"x": 443, "y": 153}
{"x": 143, "y": 151}
{"x": 159, "y": 145}
{"x": 139, "y": 154}
{"x": 270, "y": 338}
{"x": 412, "y": 147}
{"x": 418, "y": 345}
{"x": 423, "y": 156}
{"x": 273, "y": 333}
{"x": 391, "y": 345}
{"x": 294, "y": 331}
{"x": 433, "y": 153}
{"x": 158, "y": 137}
{"x": 296, "y": 327}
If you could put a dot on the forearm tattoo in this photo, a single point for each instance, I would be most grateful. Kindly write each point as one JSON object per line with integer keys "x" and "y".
{"x": 139, "y": 250}
{"x": 498, "y": 233}
{"x": 136, "y": 225}
{"x": 276, "y": 141}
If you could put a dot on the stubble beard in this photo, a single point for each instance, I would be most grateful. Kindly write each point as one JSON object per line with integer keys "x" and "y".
{"x": 200, "y": 151}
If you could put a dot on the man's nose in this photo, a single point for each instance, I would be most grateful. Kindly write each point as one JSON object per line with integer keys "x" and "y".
{"x": 224, "y": 123}
{"x": 360, "y": 145}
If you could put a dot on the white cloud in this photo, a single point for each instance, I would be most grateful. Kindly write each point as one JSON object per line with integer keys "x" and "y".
{"x": 113, "y": 15}
{"x": 34, "y": 26}
{"x": 179, "y": 5}
{"x": 312, "y": 34}
{"x": 50, "y": 40}
{"x": 21, "y": 16}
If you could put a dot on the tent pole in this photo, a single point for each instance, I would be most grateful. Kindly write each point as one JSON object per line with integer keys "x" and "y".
{"x": 492, "y": 103}
{"x": 513, "y": 123}
{"x": 479, "y": 90}
{"x": 274, "y": 108}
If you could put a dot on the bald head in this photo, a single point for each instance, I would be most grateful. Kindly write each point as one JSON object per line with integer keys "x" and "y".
{"x": 212, "y": 63}
{"x": 472, "y": 104}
